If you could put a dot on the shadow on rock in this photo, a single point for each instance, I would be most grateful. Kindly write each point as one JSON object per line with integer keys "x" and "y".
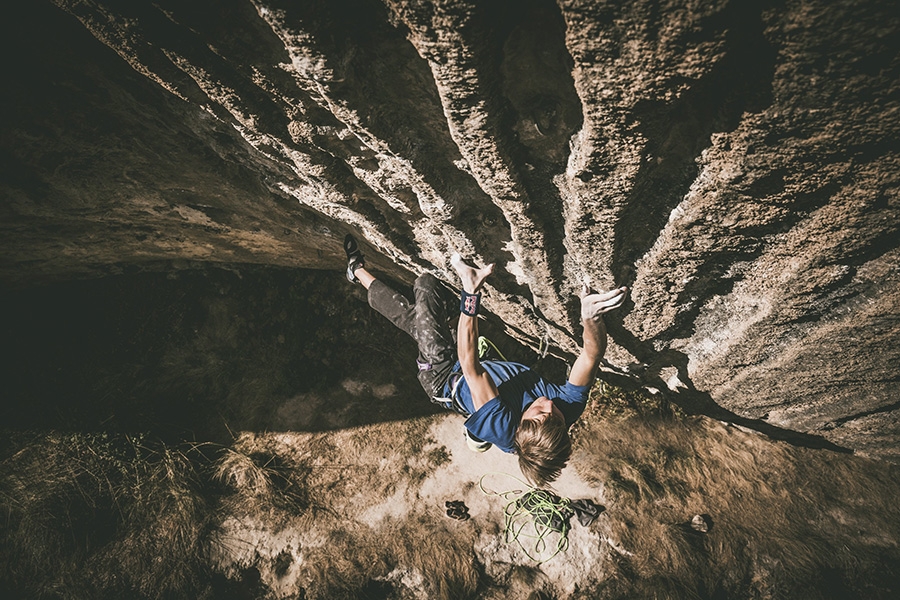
{"x": 682, "y": 392}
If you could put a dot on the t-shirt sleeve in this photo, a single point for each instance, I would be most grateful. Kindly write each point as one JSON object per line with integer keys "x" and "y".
{"x": 572, "y": 399}
{"x": 494, "y": 423}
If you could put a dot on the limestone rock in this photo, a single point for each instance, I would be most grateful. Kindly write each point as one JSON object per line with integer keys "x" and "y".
{"x": 734, "y": 163}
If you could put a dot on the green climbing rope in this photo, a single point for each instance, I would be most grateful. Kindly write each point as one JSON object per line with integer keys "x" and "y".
{"x": 537, "y": 520}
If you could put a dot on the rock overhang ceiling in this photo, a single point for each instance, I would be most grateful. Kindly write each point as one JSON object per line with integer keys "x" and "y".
{"x": 734, "y": 163}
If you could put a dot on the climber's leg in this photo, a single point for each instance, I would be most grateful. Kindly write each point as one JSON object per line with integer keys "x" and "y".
{"x": 437, "y": 349}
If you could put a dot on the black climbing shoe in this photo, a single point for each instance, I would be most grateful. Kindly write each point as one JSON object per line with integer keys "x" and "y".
{"x": 355, "y": 259}
{"x": 456, "y": 509}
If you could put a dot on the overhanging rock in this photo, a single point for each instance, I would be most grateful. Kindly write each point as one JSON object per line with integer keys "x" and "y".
{"x": 734, "y": 163}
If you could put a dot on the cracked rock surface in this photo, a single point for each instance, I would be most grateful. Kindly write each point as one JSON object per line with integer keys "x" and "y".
{"x": 736, "y": 164}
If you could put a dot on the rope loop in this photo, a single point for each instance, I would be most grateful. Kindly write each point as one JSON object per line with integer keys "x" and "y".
{"x": 534, "y": 518}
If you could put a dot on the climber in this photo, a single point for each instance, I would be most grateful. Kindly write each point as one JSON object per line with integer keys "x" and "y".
{"x": 506, "y": 404}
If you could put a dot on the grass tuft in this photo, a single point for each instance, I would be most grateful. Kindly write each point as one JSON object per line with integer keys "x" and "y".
{"x": 241, "y": 471}
{"x": 260, "y": 481}
{"x": 785, "y": 521}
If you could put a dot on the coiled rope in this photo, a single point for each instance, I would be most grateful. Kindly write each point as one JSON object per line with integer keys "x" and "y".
{"x": 537, "y": 520}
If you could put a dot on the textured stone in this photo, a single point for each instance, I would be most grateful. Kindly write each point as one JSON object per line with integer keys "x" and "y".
{"x": 735, "y": 163}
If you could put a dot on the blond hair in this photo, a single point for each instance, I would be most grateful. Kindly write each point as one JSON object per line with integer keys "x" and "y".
{"x": 543, "y": 448}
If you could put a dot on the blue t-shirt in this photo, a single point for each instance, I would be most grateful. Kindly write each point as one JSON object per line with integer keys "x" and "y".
{"x": 497, "y": 421}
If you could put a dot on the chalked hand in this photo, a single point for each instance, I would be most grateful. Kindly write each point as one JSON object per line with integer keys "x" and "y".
{"x": 594, "y": 305}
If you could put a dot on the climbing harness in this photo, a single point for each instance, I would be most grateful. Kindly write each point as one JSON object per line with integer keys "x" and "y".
{"x": 450, "y": 400}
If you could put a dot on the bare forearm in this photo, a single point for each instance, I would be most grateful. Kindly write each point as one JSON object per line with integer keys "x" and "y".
{"x": 467, "y": 344}
{"x": 594, "y": 347}
{"x": 594, "y": 338}
{"x": 480, "y": 383}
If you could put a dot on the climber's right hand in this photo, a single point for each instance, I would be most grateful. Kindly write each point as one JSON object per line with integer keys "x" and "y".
{"x": 594, "y": 305}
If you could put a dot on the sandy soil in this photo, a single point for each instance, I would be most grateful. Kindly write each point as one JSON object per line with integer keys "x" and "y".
{"x": 386, "y": 476}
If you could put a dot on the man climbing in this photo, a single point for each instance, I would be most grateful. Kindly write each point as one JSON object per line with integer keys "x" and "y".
{"x": 506, "y": 404}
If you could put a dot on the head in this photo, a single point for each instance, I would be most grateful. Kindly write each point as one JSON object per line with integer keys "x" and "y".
{"x": 542, "y": 442}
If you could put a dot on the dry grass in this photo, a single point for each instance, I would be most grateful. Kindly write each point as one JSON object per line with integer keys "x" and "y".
{"x": 261, "y": 481}
{"x": 787, "y": 522}
{"x": 444, "y": 557}
{"x": 98, "y": 516}
{"x": 340, "y": 515}
{"x": 421, "y": 553}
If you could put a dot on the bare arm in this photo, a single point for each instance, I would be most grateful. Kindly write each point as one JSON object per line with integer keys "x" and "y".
{"x": 480, "y": 383}
{"x": 594, "y": 346}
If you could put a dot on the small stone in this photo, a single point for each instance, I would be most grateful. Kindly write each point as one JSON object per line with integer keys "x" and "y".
{"x": 700, "y": 523}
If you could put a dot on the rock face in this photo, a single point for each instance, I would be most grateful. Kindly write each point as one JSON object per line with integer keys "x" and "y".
{"x": 734, "y": 163}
